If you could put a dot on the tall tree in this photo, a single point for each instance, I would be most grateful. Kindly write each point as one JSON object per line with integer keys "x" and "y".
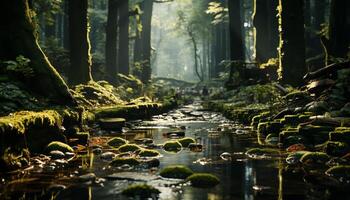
{"x": 292, "y": 43}
{"x": 80, "y": 58}
{"x": 339, "y": 28}
{"x": 266, "y": 29}
{"x": 123, "y": 23}
{"x": 111, "y": 41}
{"x": 236, "y": 38}
{"x": 18, "y": 37}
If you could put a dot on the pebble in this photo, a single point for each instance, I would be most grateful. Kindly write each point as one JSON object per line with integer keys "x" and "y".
{"x": 226, "y": 156}
{"x": 108, "y": 156}
{"x": 87, "y": 177}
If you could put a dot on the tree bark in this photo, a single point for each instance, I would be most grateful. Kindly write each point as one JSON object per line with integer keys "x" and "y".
{"x": 146, "y": 40}
{"x": 236, "y": 39}
{"x": 123, "y": 55}
{"x": 18, "y": 37}
{"x": 292, "y": 43}
{"x": 111, "y": 41}
{"x": 80, "y": 58}
{"x": 266, "y": 29}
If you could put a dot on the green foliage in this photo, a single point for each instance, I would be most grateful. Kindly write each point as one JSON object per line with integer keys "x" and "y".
{"x": 19, "y": 66}
{"x": 176, "y": 171}
{"x": 142, "y": 191}
{"x": 59, "y": 146}
{"x": 203, "y": 180}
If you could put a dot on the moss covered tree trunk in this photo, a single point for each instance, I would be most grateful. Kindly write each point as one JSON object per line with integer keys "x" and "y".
{"x": 111, "y": 41}
{"x": 292, "y": 43}
{"x": 80, "y": 58}
{"x": 18, "y": 37}
{"x": 123, "y": 55}
{"x": 266, "y": 29}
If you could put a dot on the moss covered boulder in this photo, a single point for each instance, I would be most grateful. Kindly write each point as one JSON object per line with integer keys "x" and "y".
{"x": 58, "y": 146}
{"x": 341, "y": 172}
{"x": 148, "y": 153}
{"x": 129, "y": 148}
{"x": 141, "y": 191}
{"x": 116, "y": 142}
{"x": 336, "y": 148}
{"x": 340, "y": 134}
{"x": 314, "y": 158}
{"x": 172, "y": 146}
{"x": 187, "y": 141}
{"x": 315, "y": 134}
{"x": 203, "y": 180}
{"x": 176, "y": 171}
{"x": 115, "y": 124}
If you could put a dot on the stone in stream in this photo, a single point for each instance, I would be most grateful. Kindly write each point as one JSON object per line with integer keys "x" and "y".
{"x": 57, "y": 154}
{"x": 108, "y": 156}
{"x": 195, "y": 147}
{"x": 115, "y": 124}
{"x": 87, "y": 177}
{"x": 97, "y": 151}
{"x": 226, "y": 156}
{"x": 176, "y": 134}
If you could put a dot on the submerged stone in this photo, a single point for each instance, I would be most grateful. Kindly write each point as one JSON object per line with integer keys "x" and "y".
{"x": 176, "y": 171}
{"x": 185, "y": 142}
{"x": 203, "y": 180}
{"x": 141, "y": 191}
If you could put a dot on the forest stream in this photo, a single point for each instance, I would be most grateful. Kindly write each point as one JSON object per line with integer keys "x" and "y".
{"x": 221, "y": 151}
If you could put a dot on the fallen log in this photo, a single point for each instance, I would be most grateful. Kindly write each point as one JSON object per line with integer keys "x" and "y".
{"x": 326, "y": 71}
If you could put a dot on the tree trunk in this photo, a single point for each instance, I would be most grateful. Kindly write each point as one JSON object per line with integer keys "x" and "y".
{"x": 123, "y": 55}
{"x": 111, "y": 41}
{"x": 66, "y": 26}
{"x": 146, "y": 40}
{"x": 80, "y": 58}
{"x": 339, "y": 29}
{"x": 18, "y": 37}
{"x": 266, "y": 29}
{"x": 292, "y": 43}
{"x": 236, "y": 39}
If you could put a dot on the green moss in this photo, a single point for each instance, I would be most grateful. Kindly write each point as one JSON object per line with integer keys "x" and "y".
{"x": 315, "y": 134}
{"x": 335, "y": 148}
{"x": 173, "y": 146}
{"x": 59, "y": 146}
{"x": 148, "y": 153}
{"x": 142, "y": 191}
{"x": 122, "y": 161}
{"x": 186, "y": 141}
{"x": 203, "y": 180}
{"x": 262, "y": 152}
{"x": 341, "y": 171}
{"x": 128, "y": 148}
{"x": 313, "y": 158}
{"x": 291, "y": 120}
{"x": 340, "y": 135}
{"x": 116, "y": 142}
{"x": 176, "y": 171}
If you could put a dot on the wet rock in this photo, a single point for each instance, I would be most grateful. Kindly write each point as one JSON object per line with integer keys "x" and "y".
{"x": 294, "y": 158}
{"x": 116, "y": 142}
{"x": 340, "y": 134}
{"x": 317, "y": 107}
{"x": 203, "y": 180}
{"x": 129, "y": 148}
{"x": 122, "y": 161}
{"x": 195, "y": 147}
{"x": 314, "y": 158}
{"x": 108, "y": 156}
{"x": 341, "y": 173}
{"x": 272, "y": 139}
{"x": 97, "y": 151}
{"x": 69, "y": 155}
{"x": 262, "y": 153}
{"x": 115, "y": 124}
{"x": 315, "y": 134}
{"x": 87, "y": 177}
{"x": 185, "y": 142}
{"x": 176, "y": 171}
{"x": 150, "y": 163}
{"x": 226, "y": 156}
{"x": 58, "y": 146}
{"x": 335, "y": 148}
{"x": 57, "y": 154}
{"x": 56, "y": 188}
{"x": 296, "y": 147}
{"x": 148, "y": 153}
{"x": 172, "y": 146}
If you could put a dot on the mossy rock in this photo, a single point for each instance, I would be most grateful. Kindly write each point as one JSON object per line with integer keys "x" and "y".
{"x": 295, "y": 157}
{"x": 142, "y": 191}
{"x": 340, "y": 135}
{"x": 341, "y": 172}
{"x": 82, "y": 138}
{"x": 186, "y": 141}
{"x": 291, "y": 120}
{"x": 315, "y": 134}
{"x": 294, "y": 139}
{"x": 314, "y": 158}
{"x": 58, "y": 146}
{"x": 115, "y": 124}
{"x": 257, "y": 152}
{"x": 203, "y": 180}
{"x": 116, "y": 142}
{"x": 172, "y": 146}
{"x": 122, "y": 161}
{"x": 272, "y": 139}
{"x": 148, "y": 153}
{"x": 335, "y": 148}
{"x": 176, "y": 171}
{"x": 129, "y": 148}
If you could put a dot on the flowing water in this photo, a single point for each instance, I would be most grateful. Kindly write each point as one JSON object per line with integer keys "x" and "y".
{"x": 241, "y": 177}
